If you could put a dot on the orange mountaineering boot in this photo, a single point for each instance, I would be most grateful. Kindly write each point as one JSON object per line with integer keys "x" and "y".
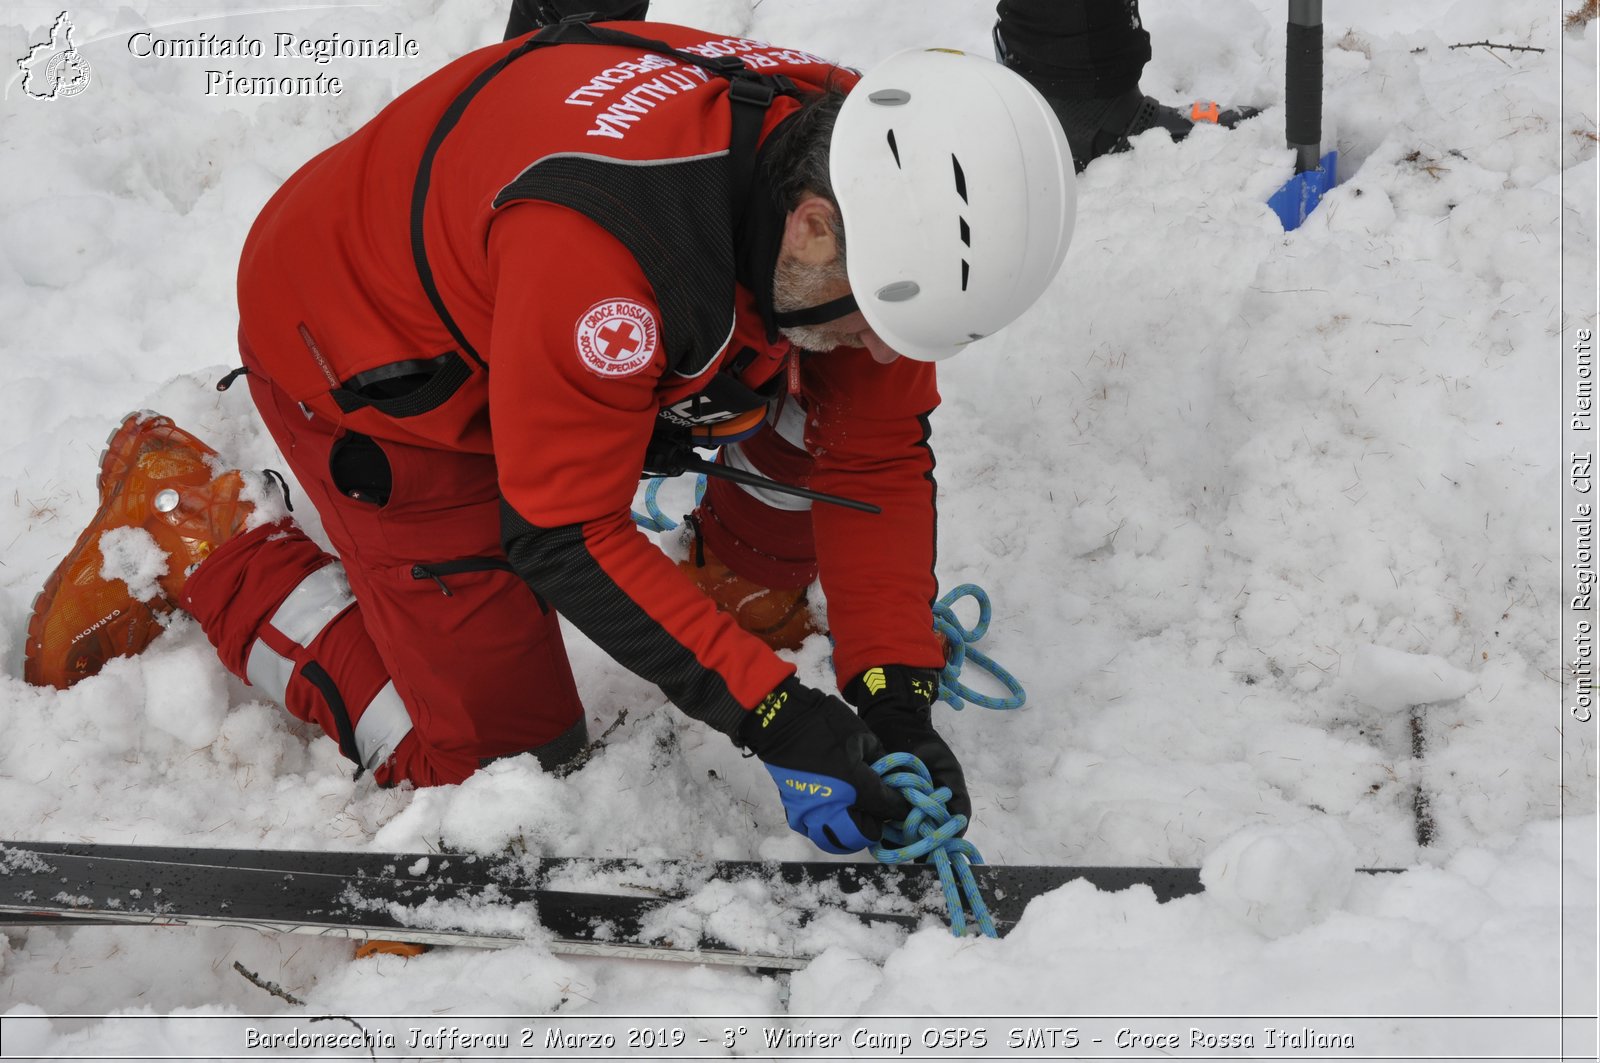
{"x": 780, "y": 618}
{"x": 156, "y": 477}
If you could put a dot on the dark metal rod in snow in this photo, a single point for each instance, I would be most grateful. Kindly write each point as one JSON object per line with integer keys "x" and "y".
{"x": 1303, "y": 84}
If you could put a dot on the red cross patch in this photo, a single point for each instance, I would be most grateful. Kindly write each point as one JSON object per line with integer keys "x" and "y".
{"x": 616, "y": 337}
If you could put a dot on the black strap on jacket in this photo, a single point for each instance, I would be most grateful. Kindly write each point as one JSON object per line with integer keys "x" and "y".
{"x": 750, "y": 92}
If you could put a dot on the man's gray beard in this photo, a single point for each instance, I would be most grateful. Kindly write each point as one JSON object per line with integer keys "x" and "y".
{"x": 796, "y": 286}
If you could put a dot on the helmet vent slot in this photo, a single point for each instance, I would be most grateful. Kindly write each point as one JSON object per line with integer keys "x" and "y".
{"x": 961, "y": 179}
{"x": 966, "y": 268}
{"x": 899, "y": 291}
{"x": 890, "y": 97}
{"x": 895, "y": 148}
{"x": 966, "y": 233}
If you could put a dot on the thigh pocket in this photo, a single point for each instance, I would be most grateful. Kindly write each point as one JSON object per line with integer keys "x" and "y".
{"x": 360, "y": 469}
{"x": 405, "y": 389}
{"x": 443, "y": 572}
{"x": 478, "y": 662}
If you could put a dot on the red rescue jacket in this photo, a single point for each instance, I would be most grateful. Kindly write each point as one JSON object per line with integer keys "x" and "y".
{"x": 569, "y": 340}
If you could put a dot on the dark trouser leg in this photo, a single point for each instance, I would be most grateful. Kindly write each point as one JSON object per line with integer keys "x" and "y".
{"x": 1085, "y": 57}
{"x": 1076, "y": 48}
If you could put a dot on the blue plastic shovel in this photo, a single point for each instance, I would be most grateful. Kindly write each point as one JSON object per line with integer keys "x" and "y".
{"x": 1314, "y": 172}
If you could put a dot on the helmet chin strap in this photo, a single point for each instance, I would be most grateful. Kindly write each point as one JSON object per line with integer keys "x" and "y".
{"x": 821, "y": 314}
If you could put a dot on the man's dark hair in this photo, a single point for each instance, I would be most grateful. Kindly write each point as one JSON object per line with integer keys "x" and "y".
{"x": 797, "y": 162}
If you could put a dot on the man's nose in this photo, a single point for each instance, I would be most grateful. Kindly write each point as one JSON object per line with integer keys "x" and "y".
{"x": 881, "y": 352}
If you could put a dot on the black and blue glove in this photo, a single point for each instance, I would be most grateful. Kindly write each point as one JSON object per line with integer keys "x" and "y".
{"x": 896, "y": 702}
{"x": 821, "y": 755}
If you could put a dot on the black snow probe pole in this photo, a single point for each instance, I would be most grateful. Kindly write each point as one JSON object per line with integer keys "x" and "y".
{"x": 677, "y": 459}
{"x": 739, "y": 476}
{"x": 1314, "y": 172}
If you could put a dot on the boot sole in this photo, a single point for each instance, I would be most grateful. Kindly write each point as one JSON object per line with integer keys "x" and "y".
{"x": 112, "y": 458}
{"x": 113, "y": 463}
{"x": 32, "y": 653}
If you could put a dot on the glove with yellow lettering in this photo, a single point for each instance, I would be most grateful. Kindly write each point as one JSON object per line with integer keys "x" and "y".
{"x": 897, "y": 703}
{"x": 820, "y": 755}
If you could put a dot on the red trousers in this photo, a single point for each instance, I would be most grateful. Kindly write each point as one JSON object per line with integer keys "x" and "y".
{"x": 437, "y": 658}
{"x": 417, "y": 648}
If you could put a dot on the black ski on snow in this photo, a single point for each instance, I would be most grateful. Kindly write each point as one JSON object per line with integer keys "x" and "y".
{"x": 589, "y": 906}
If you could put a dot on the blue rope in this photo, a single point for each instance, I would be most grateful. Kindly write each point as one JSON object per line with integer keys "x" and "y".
{"x": 931, "y": 828}
{"x": 958, "y": 639}
{"x": 958, "y": 650}
{"x": 653, "y": 519}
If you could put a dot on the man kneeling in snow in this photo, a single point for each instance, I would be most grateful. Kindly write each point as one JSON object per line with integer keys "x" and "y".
{"x": 643, "y": 235}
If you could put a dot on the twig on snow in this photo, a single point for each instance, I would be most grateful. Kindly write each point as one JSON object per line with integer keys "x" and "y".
{"x": 271, "y": 987}
{"x": 283, "y": 994}
{"x": 1491, "y": 44}
{"x": 584, "y": 755}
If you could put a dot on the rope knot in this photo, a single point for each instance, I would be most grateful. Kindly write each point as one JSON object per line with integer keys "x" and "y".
{"x": 931, "y": 829}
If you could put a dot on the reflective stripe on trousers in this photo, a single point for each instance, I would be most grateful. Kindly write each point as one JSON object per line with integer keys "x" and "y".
{"x": 315, "y": 603}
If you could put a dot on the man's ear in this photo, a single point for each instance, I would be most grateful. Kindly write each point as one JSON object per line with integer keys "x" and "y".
{"x": 808, "y": 231}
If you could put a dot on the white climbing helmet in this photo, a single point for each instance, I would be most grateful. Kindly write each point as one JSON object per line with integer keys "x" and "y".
{"x": 956, "y": 190}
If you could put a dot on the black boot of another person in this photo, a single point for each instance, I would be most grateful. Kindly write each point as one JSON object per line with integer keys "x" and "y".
{"x": 1097, "y": 126}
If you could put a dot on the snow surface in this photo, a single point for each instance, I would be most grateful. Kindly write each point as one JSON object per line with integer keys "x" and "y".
{"x": 1241, "y": 498}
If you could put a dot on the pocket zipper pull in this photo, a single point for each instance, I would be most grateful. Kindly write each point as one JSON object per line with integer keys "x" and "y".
{"x": 424, "y": 572}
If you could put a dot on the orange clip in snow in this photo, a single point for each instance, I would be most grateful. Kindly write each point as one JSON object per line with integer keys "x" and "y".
{"x": 381, "y": 947}
{"x": 1204, "y": 111}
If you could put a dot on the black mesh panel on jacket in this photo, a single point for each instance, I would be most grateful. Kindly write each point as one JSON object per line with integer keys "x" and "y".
{"x": 672, "y": 216}
{"x": 557, "y": 564}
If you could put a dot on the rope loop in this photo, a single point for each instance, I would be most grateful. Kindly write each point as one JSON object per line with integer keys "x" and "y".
{"x": 958, "y": 641}
{"x": 653, "y": 520}
{"x": 931, "y": 829}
